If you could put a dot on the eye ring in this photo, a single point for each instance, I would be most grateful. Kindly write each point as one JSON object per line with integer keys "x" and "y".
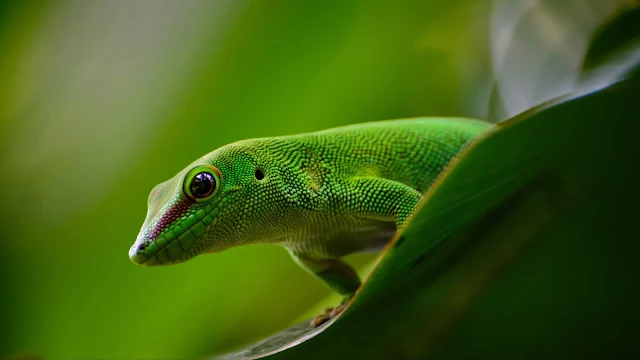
{"x": 201, "y": 183}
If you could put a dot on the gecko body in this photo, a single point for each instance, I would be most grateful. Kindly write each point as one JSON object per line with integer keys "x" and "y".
{"x": 321, "y": 195}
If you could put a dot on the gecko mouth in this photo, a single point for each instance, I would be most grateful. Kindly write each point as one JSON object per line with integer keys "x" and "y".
{"x": 159, "y": 251}
{"x": 174, "y": 243}
{"x": 170, "y": 238}
{"x": 137, "y": 256}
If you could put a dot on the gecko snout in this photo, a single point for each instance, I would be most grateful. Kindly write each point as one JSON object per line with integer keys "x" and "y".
{"x": 140, "y": 254}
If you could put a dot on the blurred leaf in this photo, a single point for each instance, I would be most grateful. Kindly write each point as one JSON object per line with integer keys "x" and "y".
{"x": 547, "y": 185}
{"x": 537, "y": 50}
{"x": 110, "y": 92}
{"x": 614, "y": 35}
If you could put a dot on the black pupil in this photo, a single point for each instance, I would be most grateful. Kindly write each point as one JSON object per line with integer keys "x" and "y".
{"x": 203, "y": 185}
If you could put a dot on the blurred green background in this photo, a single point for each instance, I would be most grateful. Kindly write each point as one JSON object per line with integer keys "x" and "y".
{"x": 101, "y": 100}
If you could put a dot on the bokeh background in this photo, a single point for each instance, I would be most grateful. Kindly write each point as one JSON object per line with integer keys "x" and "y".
{"x": 101, "y": 100}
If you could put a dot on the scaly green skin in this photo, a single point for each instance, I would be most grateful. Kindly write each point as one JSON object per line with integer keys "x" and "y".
{"x": 324, "y": 194}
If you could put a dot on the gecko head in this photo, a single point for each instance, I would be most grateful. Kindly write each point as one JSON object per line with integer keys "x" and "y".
{"x": 178, "y": 213}
{"x": 204, "y": 208}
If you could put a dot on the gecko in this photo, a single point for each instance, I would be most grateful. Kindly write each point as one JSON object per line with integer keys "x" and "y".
{"x": 321, "y": 195}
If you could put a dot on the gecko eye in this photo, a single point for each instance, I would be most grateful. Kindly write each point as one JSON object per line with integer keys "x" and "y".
{"x": 201, "y": 183}
{"x": 259, "y": 174}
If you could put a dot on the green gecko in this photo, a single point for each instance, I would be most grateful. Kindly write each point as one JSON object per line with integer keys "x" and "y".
{"x": 321, "y": 195}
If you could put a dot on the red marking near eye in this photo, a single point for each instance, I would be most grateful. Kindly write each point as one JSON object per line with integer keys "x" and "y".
{"x": 177, "y": 210}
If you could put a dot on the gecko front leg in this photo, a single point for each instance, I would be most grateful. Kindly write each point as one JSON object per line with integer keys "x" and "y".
{"x": 376, "y": 199}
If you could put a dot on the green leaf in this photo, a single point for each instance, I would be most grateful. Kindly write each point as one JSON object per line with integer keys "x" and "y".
{"x": 524, "y": 248}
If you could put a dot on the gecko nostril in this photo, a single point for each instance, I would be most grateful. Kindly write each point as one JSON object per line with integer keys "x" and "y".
{"x": 142, "y": 246}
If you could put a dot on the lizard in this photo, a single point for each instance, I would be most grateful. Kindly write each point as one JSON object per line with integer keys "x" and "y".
{"x": 321, "y": 195}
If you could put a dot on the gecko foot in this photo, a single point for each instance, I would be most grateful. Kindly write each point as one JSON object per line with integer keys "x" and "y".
{"x": 326, "y": 315}
{"x": 329, "y": 313}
